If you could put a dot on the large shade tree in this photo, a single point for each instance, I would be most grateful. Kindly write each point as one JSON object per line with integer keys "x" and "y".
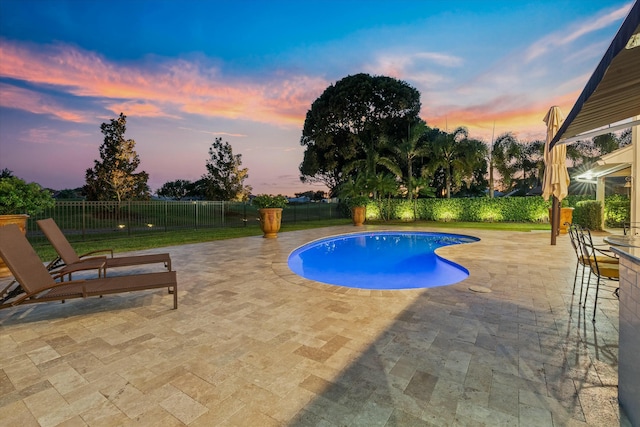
{"x": 176, "y": 190}
{"x": 114, "y": 177}
{"x": 350, "y": 118}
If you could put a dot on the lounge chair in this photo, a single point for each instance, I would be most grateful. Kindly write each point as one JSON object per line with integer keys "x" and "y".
{"x": 35, "y": 283}
{"x": 69, "y": 261}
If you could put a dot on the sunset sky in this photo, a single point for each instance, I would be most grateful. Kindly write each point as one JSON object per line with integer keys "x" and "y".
{"x": 185, "y": 72}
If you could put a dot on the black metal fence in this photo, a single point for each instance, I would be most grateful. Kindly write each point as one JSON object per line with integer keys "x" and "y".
{"x": 81, "y": 220}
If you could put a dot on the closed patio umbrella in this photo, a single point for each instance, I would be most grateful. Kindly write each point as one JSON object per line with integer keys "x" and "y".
{"x": 556, "y": 177}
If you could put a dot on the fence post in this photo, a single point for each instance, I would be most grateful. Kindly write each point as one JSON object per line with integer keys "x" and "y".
{"x": 166, "y": 216}
{"x": 196, "y": 214}
{"x": 129, "y": 217}
{"x": 222, "y": 218}
{"x": 84, "y": 214}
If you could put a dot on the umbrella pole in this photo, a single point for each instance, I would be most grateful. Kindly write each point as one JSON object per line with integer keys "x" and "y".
{"x": 555, "y": 220}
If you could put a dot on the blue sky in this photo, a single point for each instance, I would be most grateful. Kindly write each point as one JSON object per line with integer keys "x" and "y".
{"x": 185, "y": 72}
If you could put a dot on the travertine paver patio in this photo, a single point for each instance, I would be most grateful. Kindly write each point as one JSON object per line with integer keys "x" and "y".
{"x": 251, "y": 344}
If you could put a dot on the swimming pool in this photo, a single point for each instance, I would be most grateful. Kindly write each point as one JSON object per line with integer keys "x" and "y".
{"x": 380, "y": 260}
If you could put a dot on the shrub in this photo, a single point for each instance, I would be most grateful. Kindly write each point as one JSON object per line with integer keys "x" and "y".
{"x": 373, "y": 211}
{"x": 502, "y": 209}
{"x": 355, "y": 201}
{"x": 616, "y": 210}
{"x": 18, "y": 197}
{"x": 483, "y": 209}
{"x": 404, "y": 210}
{"x": 571, "y": 200}
{"x": 588, "y": 213}
{"x": 268, "y": 201}
{"x": 490, "y": 211}
{"x": 446, "y": 210}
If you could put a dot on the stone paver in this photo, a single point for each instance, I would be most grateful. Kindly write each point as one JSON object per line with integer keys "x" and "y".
{"x": 252, "y": 344}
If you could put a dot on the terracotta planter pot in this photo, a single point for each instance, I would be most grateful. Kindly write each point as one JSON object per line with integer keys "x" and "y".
{"x": 21, "y": 221}
{"x": 358, "y": 214}
{"x": 566, "y": 215}
{"x": 270, "y": 219}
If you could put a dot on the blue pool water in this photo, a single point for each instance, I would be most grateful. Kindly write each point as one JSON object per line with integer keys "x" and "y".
{"x": 380, "y": 260}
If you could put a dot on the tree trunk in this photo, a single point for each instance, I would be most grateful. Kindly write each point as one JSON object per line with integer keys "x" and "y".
{"x": 409, "y": 179}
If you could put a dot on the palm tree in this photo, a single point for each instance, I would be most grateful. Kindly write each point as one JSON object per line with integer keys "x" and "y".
{"x": 354, "y": 187}
{"x": 420, "y": 186}
{"x": 507, "y": 156}
{"x": 452, "y": 153}
{"x": 534, "y": 161}
{"x": 472, "y": 158}
{"x": 408, "y": 150}
{"x": 368, "y": 166}
{"x": 384, "y": 184}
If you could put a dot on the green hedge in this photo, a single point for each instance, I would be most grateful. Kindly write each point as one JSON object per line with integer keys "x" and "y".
{"x": 502, "y": 209}
{"x": 507, "y": 209}
{"x": 572, "y": 200}
{"x": 588, "y": 213}
{"x": 617, "y": 210}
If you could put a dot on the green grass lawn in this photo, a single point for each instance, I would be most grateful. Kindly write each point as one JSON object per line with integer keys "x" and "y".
{"x": 181, "y": 237}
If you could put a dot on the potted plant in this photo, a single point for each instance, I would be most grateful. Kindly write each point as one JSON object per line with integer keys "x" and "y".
{"x": 358, "y": 206}
{"x": 354, "y": 193}
{"x": 566, "y": 216}
{"x": 18, "y": 200}
{"x": 270, "y": 209}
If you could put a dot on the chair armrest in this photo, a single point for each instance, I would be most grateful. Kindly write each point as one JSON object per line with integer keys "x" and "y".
{"x": 110, "y": 251}
{"x": 605, "y": 252}
{"x": 96, "y": 263}
{"x": 628, "y": 227}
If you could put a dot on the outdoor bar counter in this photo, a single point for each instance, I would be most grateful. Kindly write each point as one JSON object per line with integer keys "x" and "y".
{"x": 629, "y": 341}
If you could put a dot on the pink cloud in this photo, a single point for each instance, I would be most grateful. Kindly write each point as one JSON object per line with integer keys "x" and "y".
{"x": 138, "y": 109}
{"x": 37, "y": 103}
{"x": 168, "y": 86}
{"x": 525, "y": 121}
{"x": 46, "y": 135}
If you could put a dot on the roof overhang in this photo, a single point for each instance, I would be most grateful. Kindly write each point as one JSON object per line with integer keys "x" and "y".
{"x": 612, "y": 94}
{"x": 591, "y": 176}
{"x": 615, "y": 163}
{"x": 621, "y": 155}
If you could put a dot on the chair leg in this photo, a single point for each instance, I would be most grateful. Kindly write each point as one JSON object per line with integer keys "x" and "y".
{"x": 586, "y": 290}
{"x": 595, "y": 301}
{"x": 175, "y": 297}
{"x": 582, "y": 283}
{"x": 575, "y": 278}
